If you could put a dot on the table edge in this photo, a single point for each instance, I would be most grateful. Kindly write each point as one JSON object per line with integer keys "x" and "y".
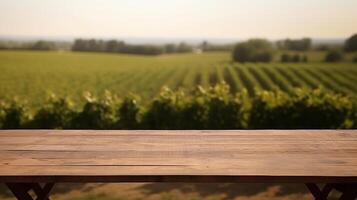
{"x": 179, "y": 178}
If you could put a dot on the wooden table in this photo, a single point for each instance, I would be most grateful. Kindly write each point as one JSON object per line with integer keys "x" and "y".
{"x": 31, "y": 157}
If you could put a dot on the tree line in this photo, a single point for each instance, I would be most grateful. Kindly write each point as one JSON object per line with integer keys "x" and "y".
{"x": 303, "y": 44}
{"x": 212, "y": 108}
{"x": 115, "y": 46}
{"x": 262, "y": 50}
{"x": 253, "y": 50}
{"x": 38, "y": 45}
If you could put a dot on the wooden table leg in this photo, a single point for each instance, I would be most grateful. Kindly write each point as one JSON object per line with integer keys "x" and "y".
{"x": 349, "y": 191}
{"x": 21, "y": 190}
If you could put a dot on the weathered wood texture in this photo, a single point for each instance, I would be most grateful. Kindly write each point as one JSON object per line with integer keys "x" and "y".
{"x": 172, "y": 156}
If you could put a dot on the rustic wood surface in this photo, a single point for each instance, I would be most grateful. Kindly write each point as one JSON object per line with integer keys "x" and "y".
{"x": 175, "y": 156}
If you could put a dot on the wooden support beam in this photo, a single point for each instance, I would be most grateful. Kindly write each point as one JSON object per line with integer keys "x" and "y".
{"x": 21, "y": 190}
{"x": 349, "y": 191}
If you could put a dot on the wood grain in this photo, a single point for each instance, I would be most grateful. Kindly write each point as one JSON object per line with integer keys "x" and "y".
{"x": 175, "y": 156}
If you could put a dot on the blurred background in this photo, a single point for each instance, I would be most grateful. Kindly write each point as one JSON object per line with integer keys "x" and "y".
{"x": 178, "y": 64}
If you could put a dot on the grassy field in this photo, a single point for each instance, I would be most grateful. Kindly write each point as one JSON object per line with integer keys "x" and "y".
{"x": 176, "y": 191}
{"x": 33, "y": 75}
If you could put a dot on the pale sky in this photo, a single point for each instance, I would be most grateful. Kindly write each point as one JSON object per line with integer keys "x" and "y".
{"x": 179, "y": 18}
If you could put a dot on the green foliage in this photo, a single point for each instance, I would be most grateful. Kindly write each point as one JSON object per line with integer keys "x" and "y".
{"x": 303, "y": 44}
{"x": 206, "y": 46}
{"x": 211, "y": 108}
{"x": 285, "y": 58}
{"x": 56, "y": 113}
{"x": 333, "y": 56}
{"x": 114, "y": 46}
{"x": 37, "y": 45}
{"x": 142, "y": 49}
{"x": 296, "y": 58}
{"x": 97, "y": 113}
{"x": 305, "y": 59}
{"x": 165, "y": 111}
{"x": 351, "y": 44}
{"x": 43, "y": 46}
{"x": 183, "y": 48}
{"x": 128, "y": 113}
{"x": 195, "y": 112}
{"x": 302, "y": 109}
{"x": 353, "y": 118}
{"x": 255, "y": 50}
{"x": 224, "y": 110}
{"x": 214, "y": 108}
{"x": 13, "y": 115}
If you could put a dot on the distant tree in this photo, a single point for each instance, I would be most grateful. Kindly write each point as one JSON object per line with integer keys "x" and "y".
{"x": 96, "y": 45}
{"x": 254, "y": 50}
{"x": 305, "y": 59}
{"x": 285, "y": 58}
{"x": 93, "y": 45}
{"x": 333, "y": 56}
{"x": 170, "y": 48}
{"x": 43, "y": 45}
{"x": 112, "y": 46}
{"x": 296, "y": 58}
{"x": 79, "y": 45}
{"x": 351, "y": 44}
{"x": 303, "y": 44}
{"x": 143, "y": 49}
{"x": 183, "y": 47}
{"x": 204, "y": 46}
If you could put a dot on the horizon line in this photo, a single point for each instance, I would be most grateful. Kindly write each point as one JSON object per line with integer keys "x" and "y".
{"x": 31, "y": 37}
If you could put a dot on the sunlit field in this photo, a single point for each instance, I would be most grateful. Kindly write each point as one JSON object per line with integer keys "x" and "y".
{"x": 33, "y": 75}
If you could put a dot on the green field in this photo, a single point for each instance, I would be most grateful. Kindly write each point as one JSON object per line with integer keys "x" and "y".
{"x": 33, "y": 75}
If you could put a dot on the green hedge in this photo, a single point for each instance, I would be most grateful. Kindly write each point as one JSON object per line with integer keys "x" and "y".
{"x": 302, "y": 109}
{"x": 212, "y": 108}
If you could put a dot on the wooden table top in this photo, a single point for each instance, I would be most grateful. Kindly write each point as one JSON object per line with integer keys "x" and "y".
{"x": 178, "y": 156}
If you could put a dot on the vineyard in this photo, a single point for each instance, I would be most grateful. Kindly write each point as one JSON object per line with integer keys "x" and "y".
{"x": 34, "y": 75}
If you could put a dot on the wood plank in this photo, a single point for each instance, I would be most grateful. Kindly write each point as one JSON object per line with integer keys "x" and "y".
{"x": 198, "y": 156}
